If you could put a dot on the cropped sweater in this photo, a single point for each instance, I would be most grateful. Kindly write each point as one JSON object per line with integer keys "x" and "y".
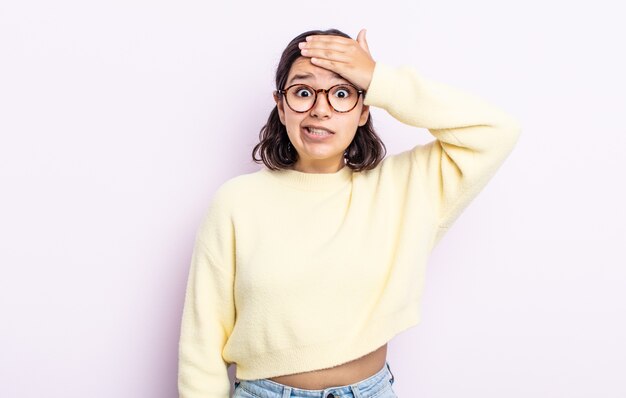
{"x": 294, "y": 272}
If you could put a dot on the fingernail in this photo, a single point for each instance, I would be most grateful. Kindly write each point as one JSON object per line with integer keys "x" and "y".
{"x": 302, "y": 44}
{"x": 308, "y": 38}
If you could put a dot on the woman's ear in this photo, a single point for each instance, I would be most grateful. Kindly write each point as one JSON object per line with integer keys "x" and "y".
{"x": 365, "y": 112}
{"x": 279, "y": 105}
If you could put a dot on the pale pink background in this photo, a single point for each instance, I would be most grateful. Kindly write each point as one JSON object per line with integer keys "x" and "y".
{"x": 119, "y": 119}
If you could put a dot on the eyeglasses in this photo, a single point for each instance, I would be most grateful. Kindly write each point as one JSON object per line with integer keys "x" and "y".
{"x": 341, "y": 97}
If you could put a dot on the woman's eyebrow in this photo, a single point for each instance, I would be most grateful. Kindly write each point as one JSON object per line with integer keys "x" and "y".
{"x": 302, "y": 76}
{"x": 306, "y": 75}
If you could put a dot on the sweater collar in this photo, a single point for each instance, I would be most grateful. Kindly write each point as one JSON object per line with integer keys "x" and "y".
{"x": 311, "y": 181}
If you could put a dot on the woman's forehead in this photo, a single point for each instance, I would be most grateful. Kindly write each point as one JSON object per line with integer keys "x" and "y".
{"x": 303, "y": 69}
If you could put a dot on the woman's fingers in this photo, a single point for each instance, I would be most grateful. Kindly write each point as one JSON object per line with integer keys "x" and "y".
{"x": 325, "y": 45}
{"x": 328, "y": 39}
{"x": 347, "y": 57}
{"x": 331, "y": 55}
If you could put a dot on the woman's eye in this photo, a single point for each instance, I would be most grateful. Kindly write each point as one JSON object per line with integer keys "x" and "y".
{"x": 303, "y": 92}
{"x": 342, "y": 93}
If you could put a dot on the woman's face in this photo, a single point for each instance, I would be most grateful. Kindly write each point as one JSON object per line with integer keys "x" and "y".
{"x": 319, "y": 154}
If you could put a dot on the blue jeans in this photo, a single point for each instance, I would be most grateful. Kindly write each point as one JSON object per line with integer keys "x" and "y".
{"x": 376, "y": 386}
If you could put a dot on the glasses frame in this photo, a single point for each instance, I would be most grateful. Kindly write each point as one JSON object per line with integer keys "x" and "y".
{"x": 321, "y": 90}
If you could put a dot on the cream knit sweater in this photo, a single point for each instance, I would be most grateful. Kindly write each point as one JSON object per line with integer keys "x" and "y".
{"x": 293, "y": 271}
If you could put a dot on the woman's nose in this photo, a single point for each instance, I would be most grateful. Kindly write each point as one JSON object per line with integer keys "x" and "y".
{"x": 321, "y": 107}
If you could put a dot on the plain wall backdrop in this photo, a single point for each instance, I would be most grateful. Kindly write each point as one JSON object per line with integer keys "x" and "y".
{"x": 119, "y": 119}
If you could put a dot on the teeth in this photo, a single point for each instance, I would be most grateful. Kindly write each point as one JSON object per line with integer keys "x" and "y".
{"x": 317, "y": 131}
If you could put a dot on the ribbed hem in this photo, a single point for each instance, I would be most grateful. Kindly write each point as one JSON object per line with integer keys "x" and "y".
{"x": 311, "y": 181}
{"x": 342, "y": 349}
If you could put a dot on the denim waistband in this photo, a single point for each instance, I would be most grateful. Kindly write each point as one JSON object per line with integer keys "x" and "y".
{"x": 363, "y": 389}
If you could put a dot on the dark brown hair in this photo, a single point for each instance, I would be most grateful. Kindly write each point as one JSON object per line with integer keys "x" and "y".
{"x": 364, "y": 152}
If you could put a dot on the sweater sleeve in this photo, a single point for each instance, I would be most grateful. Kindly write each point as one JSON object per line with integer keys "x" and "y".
{"x": 472, "y": 137}
{"x": 209, "y": 311}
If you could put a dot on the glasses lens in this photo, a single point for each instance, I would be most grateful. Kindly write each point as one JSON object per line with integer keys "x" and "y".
{"x": 343, "y": 97}
{"x": 300, "y": 97}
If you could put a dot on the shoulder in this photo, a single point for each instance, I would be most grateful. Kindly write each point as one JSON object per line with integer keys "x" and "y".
{"x": 229, "y": 196}
{"x": 237, "y": 189}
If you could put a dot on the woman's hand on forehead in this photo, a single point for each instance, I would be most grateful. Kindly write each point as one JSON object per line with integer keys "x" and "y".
{"x": 346, "y": 57}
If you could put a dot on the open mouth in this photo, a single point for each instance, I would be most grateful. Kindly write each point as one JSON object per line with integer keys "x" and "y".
{"x": 318, "y": 132}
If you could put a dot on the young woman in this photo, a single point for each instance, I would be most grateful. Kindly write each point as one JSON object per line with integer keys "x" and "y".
{"x": 304, "y": 270}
